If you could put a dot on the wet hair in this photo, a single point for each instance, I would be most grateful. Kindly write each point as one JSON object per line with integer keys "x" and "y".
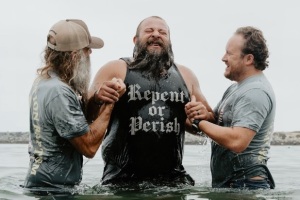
{"x": 255, "y": 44}
{"x": 152, "y": 64}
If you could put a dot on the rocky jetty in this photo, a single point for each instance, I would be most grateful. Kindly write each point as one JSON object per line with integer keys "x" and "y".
{"x": 286, "y": 138}
{"x": 14, "y": 137}
{"x": 279, "y": 138}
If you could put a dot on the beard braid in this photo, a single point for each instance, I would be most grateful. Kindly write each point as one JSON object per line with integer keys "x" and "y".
{"x": 152, "y": 64}
{"x": 81, "y": 78}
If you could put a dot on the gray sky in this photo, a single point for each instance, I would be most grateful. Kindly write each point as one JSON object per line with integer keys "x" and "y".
{"x": 199, "y": 32}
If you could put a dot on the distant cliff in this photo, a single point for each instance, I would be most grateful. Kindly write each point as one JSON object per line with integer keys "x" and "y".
{"x": 279, "y": 138}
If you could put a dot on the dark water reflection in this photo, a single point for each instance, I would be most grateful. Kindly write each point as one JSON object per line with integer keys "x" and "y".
{"x": 284, "y": 164}
{"x": 166, "y": 193}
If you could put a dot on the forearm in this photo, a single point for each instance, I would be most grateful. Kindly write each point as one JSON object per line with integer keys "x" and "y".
{"x": 214, "y": 132}
{"x": 99, "y": 126}
{"x": 89, "y": 143}
{"x": 231, "y": 138}
{"x": 93, "y": 109}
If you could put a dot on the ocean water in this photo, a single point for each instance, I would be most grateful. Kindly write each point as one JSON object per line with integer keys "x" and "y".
{"x": 284, "y": 164}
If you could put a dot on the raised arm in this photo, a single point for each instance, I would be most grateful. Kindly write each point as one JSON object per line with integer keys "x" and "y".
{"x": 107, "y": 87}
{"x": 203, "y": 110}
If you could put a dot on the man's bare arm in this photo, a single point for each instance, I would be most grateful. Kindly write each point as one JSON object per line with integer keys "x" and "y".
{"x": 89, "y": 143}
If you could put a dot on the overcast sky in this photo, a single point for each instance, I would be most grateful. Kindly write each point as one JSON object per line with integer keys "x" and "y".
{"x": 199, "y": 32}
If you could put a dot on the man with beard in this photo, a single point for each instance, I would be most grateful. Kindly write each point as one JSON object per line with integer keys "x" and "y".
{"x": 59, "y": 132}
{"x": 244, "y": 117}
{"x": 145, "y": 137}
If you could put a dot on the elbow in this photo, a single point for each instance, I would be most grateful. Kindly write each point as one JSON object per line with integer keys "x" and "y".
{"x": 90, "y": 155}
{"x": 237, "y": 148}
{"x": 237, "y": 144}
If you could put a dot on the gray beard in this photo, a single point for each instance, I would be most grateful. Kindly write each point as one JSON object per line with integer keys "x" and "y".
{"x": 82, "y": 74}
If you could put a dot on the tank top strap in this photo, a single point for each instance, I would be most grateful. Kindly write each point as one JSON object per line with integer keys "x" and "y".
{"x": 127, "y": 60}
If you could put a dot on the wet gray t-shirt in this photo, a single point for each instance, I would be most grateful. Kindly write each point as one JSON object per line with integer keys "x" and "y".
{"x": 249, "y": 104}
{"x": 55, "y": 117}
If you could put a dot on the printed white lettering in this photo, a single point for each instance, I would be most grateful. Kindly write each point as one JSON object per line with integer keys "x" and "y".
{"x": 137, "y": 124}
{"x": 134, "y": 94}
{"x": 36, "y": 165}
{"x": 37, "y": 132}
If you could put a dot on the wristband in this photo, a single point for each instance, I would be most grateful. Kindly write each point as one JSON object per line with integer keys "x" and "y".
{"x": 195, "y": 126}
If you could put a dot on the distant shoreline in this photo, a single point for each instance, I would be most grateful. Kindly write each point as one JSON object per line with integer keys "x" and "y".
{"x": 279, "y": 138}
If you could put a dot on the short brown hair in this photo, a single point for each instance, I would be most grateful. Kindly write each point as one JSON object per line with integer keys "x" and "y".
{"x": 255, "y": 44}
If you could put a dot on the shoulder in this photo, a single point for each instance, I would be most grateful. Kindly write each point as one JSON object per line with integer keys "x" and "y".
{"x": 256, "y": 98}
{"x": 114, "y": 68}
{"x": 55, "y": 86}
{"x": 114, "y": 65}
{"x": 187, "y": 74}
{"x": 184, "y": 69}
{"x": 191, "y": 81}
{"x": 258, "y": 87}
{"x": 62, "y": 91}
{"x": 53, "y": 91}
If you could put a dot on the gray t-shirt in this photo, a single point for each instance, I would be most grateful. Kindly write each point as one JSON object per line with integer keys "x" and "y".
{"x": 55, "y": 117}
{"x": 250, "y": 104}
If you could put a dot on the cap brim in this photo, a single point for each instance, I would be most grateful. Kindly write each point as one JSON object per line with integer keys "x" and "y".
{"x": 96, "y": 43}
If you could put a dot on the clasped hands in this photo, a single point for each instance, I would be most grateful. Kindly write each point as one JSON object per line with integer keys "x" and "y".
{"x": 110, "y": 91}
{"x": 196, "y": 110}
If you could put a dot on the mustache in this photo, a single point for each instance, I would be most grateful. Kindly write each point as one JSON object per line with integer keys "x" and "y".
{"x": 151, "y": 64}
{"x": 155, "y": 41}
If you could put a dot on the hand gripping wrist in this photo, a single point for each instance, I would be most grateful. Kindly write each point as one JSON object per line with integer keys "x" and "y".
{"x": 99, "y": 103}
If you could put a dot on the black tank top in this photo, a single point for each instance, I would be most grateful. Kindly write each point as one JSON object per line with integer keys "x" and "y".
{"x": 145, "y": 136}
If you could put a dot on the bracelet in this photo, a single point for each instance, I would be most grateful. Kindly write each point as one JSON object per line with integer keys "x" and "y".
{"x": 99, "y": 103}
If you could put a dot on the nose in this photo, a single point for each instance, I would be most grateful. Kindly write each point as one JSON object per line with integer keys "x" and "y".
{"x": 224, "y": 58}
{"x": 155, "y": 34}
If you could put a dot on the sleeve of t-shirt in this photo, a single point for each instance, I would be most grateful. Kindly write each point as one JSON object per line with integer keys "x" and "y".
{"x": 251, "y": 109}
{"x": 67, "y": 116}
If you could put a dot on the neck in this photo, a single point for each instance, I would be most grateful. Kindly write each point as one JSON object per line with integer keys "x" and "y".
{"x": 252, "y": 73}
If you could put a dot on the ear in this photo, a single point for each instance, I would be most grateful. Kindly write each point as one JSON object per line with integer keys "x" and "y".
{"x": 249, "y": 59}
{"x": 74, "y": 55}
{"x": 135, "y": 38}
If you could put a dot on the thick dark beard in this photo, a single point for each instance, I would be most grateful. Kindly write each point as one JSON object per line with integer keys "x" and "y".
{"x": 81, "y": 78}
{"x": 152, "y": 64}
